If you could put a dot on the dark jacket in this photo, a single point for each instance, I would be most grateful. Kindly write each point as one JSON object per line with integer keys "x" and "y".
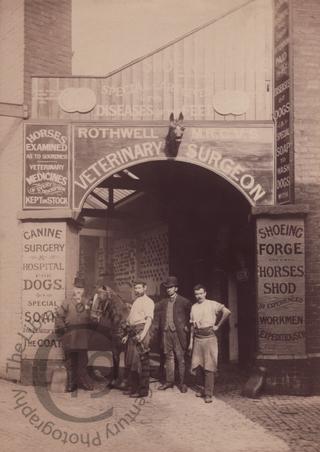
{"x": 72, "y": 324}
{"x": 181, "y": 318}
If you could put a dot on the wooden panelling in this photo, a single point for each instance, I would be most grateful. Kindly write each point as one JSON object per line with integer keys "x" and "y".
{"x": 232, "y": 53}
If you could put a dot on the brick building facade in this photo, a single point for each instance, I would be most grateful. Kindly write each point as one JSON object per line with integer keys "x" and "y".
{"x": 306, "y": 49}
{"x": 36, "y": 39}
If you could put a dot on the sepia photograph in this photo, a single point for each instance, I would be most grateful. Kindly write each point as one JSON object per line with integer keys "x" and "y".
{"x": 160, "y": 226}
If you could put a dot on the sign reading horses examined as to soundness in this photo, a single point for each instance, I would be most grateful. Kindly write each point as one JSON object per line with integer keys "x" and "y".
{"x": 46, "y": 166}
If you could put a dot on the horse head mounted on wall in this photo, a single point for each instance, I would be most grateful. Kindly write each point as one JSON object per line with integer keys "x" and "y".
{"x": 174, "y": 136}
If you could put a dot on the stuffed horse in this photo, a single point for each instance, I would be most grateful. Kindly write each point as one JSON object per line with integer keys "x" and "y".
{"x": 174, "y": 135}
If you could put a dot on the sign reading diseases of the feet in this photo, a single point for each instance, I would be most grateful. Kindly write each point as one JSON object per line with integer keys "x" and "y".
{"x": 241, "y": 155}
{"x": 281, "y": 286}
{"x": 46, "y": 166}
{"x": 43, "y": 285}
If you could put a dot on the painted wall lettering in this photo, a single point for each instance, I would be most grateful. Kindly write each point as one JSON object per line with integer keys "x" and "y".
{"x": 46, "y": 166}
{"x": 242, "y": 155}
{"x": 282, "y": 103}
{"x": 43, "y": 281}
{"x": 281, "y": 286}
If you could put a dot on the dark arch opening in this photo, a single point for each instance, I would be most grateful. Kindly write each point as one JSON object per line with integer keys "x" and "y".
{"x": 210, "y": 237}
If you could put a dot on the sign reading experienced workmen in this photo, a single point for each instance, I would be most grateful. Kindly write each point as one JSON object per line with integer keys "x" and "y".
{"x": 46, "y": 166}
{"x": 241, "y": 155}
{"x": 281, "y": 286}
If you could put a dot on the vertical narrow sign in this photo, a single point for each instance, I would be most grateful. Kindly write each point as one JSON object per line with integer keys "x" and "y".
{"x": 43, "y": 284}
{"x": 283, "y": 103}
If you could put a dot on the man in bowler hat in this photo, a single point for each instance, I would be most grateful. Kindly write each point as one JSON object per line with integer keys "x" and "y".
{"x": 72, "y": 326}
{"x": 174, "y": 314}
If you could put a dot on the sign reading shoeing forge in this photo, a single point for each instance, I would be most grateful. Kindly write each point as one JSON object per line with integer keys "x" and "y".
{"x": 281, "y": 286}
{"x": 242, "y": 155}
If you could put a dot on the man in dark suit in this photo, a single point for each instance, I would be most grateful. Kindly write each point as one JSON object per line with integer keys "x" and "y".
{"x": 174, "y": 315}
{"x": 72, "y": 326}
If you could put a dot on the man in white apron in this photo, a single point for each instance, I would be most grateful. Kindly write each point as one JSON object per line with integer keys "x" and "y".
{"x": 203, "y": 341}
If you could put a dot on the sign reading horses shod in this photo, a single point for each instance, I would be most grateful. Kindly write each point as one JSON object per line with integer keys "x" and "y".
{"x": 242, "y": 155}
{"x": 281, "y": 286}
{"x": 46, "y": 167}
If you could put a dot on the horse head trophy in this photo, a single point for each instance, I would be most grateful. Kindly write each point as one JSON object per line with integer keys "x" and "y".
{"x": 174, "y": 135}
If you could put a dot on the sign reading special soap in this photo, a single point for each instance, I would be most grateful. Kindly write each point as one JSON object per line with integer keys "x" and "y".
{"x": 43, "y": 284}
{"x": 242, "y": 155}
{"x": 281, "y": 285}
{"x": 282, "y": 103}
{"x": 46, "y": 166}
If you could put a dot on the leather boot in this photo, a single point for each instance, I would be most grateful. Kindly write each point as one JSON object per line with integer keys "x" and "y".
{"x": 71, "y": 384}
{"x": 85, "y": 384}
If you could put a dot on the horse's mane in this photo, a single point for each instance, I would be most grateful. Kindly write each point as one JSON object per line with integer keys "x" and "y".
{"x": 117, "y": 310}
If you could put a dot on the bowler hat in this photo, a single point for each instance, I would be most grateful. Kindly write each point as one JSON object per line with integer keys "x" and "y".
{"x": 79, "y": 282}
{"x": 171, "y": 281}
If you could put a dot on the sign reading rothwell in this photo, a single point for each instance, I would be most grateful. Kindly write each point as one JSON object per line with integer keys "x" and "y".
{"x": 43, "y": 279}
{"x": 242, "y": 155}
{"x": 46, "y": 168}
{"x": 281, "y": 286}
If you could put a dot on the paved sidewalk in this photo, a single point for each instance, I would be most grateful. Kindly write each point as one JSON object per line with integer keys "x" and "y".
{"x": 296, "y": 420}
{"x": 167, "y": 421}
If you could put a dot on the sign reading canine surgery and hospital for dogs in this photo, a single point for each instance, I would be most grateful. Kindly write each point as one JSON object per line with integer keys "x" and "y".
{"x": 281, "y": 286}
{"x": 43, "y": 285}
{"x": 46, "y": 166}
{"x": 241, "y": 155}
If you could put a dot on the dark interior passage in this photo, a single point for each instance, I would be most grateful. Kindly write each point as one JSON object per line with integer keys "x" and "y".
{"x": 210, "y": 238}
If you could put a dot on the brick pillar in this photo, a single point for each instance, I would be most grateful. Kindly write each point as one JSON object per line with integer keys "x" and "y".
{"x": 48, "y": 46}
{"x": 306, "y": 45}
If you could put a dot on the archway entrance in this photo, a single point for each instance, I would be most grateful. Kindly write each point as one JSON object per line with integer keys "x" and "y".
{"x": 169, "y": 217}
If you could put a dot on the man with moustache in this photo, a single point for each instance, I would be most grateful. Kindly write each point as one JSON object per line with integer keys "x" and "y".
{"x": 137, "y": 339}
{"x": 72, "y": 326}
{"x": 174, "y": 312}
{"x": 203, "y": 341}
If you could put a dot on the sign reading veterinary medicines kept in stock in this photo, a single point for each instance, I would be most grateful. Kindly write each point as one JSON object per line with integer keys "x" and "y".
{"x": 281, "y": 286}
{"x": 241, "y": 155}
{"x": 46, "y": 167}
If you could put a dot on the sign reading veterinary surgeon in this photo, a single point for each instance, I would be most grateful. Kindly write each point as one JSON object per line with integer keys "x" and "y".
{"x": 46, "y": 166}
{"x": 241, "y": 155}
{"x": 281, "y": 286}
{"x": 43, "y": 284}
